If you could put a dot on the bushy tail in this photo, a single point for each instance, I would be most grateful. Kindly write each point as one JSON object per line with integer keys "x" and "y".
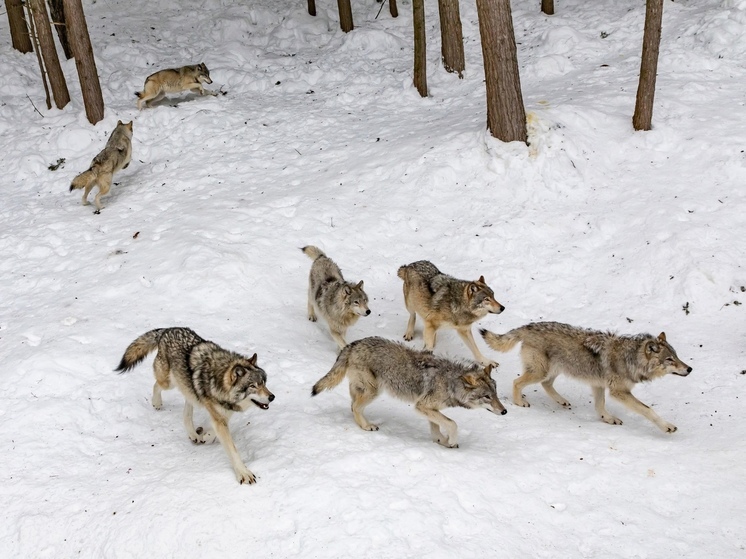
{"x": 504, "y": 342}
{"x": 138, "y": 94}
{"x": 402, "y": 273}
{"x": 83, "y": 180}
{"x": 335, "y": 375}
{"x": 139, "y": 349}
{"x": 312, "y": 252}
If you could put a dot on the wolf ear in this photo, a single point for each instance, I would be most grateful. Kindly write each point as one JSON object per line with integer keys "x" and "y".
{"x": 473, "y": 288}
{"x": 652, "y": 347}
{"x": 470, "y": 379}
{"x": 347, "y": 290}
{"x": 360, "y": 285}
{"x": 662, "y": 336}
{"x": 253, "y": 360}
{"x": 119, "y": 122}
{"x": 237, "y": 372}
{"x": 481, "y": 279}
{"x": 488, "y": 369}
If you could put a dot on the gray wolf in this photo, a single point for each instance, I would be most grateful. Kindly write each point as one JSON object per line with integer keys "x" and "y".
{"x": 603, "y": 360}
{"x": 340, "y": 302}
{"x": 174, "y": 80}
{"x": 113, "y": 158}
{"x": 431, "y": 383}
{"x": 442, "y": 300}
{"x": 207, "y": 375}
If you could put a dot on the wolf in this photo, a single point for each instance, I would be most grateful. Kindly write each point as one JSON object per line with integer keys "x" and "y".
{"x": 209, "y": 376}
{"x": 340, "y": 302}
{"x": 431, "y": 383}
{"x": 174, "y": 80}
{"x": 442, "y": 300}
{"x": 113, "y": 158}
{"x": 603, "y": 360}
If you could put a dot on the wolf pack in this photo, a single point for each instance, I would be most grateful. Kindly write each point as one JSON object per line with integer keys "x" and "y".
{"x": 224, "y": 382}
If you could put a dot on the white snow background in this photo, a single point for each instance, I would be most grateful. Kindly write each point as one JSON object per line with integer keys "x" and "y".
{"x": 321, "y": 139}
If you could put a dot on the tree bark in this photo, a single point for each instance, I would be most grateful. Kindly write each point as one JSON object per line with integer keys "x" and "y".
{"x": 651, "y": 41}
{"x": 19, "y": 32}
{"x": 506, "y": 115}
{"x": 80, "y": 42}
{"x": 451, "y": 37}
{"x": 345, "y": 15}
{"x": 37, "y": 50}
{"x": 420, "y": 47}
{"x": 547, "y": 6}
{"x": 57, "y": 12}
{"x": 49, "y": 53}
{"x": 392, "y": 8}
{"x": 312, "y": 7}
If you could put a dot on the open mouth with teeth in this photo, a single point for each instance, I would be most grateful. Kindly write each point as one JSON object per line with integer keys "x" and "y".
{"x": 260, "y": 404}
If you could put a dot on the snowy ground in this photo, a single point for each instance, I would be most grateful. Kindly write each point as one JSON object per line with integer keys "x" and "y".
{"x": 321, "y": 140}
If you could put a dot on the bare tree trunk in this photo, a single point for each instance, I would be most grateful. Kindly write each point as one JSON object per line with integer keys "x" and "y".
{"x": 37, "y": 49}
{"x": 451, "y": 37}
{"x": 651, "y": 41}
{"x": 392, "y": 8}
{"x": 345, "y": 15}
{"x": 19, "y": 32}
{"x": 420, "y": 47}
{"x": 57, "y": 11}
{"x": 80, "y": 42}
{"x": 312, "y": 7}
{"x": 547, "y": 6}
{"x": 506, "y": 115}
{"x": 49, "y": 53}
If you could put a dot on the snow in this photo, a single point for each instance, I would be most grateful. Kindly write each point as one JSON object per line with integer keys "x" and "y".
{"x": 321, "y": 139}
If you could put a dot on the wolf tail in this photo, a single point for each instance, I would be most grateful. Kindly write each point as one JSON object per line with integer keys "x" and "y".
{"x": 139, "y": 349}
{"x": 504, "y": 342}
{"x": 402, "y": 273}
{"x": 83, "y": 180}
{"x": 335, "y": 375}
{"x": 138, "y": 94}
{"x": 313, "y": 252}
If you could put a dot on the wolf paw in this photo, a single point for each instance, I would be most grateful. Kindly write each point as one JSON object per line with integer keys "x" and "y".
{"x": 490, "y": 363}
{"x": 523, "y": 403}
{"x": 611, "y": 420}
{"x": 408, "y": 337}
{"x": 312, "y": 318}
{"x": 206, "y": 437}
{"x": 371, "y": 427}
{"x": 444, "y": 442}
{"x": 668, "y": 428}
{"x": 97, "y": 212}
{"x": 245, "y": 477}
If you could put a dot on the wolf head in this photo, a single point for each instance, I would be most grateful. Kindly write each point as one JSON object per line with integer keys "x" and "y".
{"x": 480, "y": 390}
{"x": 245, "y": 382}
{"x": 203, "y": 74}
{"x": 481, "y": 298}
{"x": 126, "y": 127}
{"x": 356, "y": 299}
{"x": 662, "y": 358}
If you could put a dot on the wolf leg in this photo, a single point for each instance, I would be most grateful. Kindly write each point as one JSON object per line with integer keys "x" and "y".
{"x": 189, "y": 423}
{"x": 535, "y": 370}
{"x": 468, "y": 338}
{"x": 162, "y": 379}
{"x": 429, "y": 334}
{"x": 104, "y": 184}
{"x": 626, "y": 398}
{"x": 448, "y": 427}
{"x": 548, "y": 385}
{"x": 220, "y": 426}
{"x": 599, "y": 398}
{"x": 362, "y": 395}
{"x": 339, "y": 338}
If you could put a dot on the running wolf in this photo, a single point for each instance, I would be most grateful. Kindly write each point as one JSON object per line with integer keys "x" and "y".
{"x": 431, "y": 383}
{"x": 442, "y": 300}
{"x": 112, "y": 159}
{"x": 174, "y": 80}
{"x": 601, "y": 359}
{"x": 207, "y": 375}
{"x": 340, "y": 302}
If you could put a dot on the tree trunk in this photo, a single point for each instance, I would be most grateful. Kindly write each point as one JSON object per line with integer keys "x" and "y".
{"x": 18, "y": 28}
{"x": 506, "y": 116}
{"x": 57, "y": 11}
{"x": 345, "y": 15}
{"x": 49, "y": 53}
{"x": 35, "y": 40}
{"x": 547, "y": 6}
{"x": 312, "y": 7}
{"x": 651, "y": 41}
{"x": 80, "y": 42}
{"x": 420, "y": 47}
{"x": 451, "y": 37}
{"x": 392, "y": 8}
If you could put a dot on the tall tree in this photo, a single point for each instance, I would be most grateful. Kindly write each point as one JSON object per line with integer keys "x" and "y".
{"x": 420, "y": 47}
{"x": 57, "y": 12}
{"x": 49, "y": 53}
{"x": 19, "y": 32}
{"x": 651, "y": 41}
{"x": 451, "y": 37}
{"x": 547, "y": 6}
{"x": 345, "y": 15}
{"x": 80, "y": 42}
{"x": 506, "y": 115}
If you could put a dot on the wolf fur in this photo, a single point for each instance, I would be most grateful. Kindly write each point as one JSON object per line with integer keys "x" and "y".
{"x": 603, "y": 360}
{"x": 174, "y": 80}
{"x": 340, "y": 302}
{"x": 431, "y": 383}
{"x": 113, "y": 158}
{"x": 442, "y": 300}
{"x": 207, "y": 375}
